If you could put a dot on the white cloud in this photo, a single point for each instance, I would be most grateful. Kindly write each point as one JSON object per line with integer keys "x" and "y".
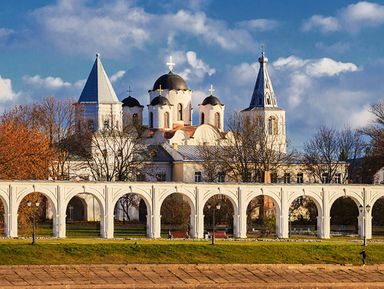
{"x": 315, "y": 67}
{"x": 116, "y": 76}
{"x": 117, "y": 27}
{"x": 259, "y": 24}
{"x": 337, "y": 47}
{"x": 4, "y": 32}
{"x": 50, "y": 82}
{"x": 6, "y": 92}
{"x": 324, "y": 24}
{"x": 352, "y": 18}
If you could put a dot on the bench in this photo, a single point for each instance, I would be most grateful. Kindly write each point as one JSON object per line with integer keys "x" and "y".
{"x": 179, "y": 234}
{"x": 219, "y": 235}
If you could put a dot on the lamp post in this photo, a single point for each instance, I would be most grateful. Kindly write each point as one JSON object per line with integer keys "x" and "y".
{"x": 34, "y": 207}
{"x": 364, "y": 210}
{"x": 214, "y": 208}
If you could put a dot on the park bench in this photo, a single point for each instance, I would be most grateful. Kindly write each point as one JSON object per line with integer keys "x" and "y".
{"x": 219, "y": 235}
{"x": 179, "y": 234}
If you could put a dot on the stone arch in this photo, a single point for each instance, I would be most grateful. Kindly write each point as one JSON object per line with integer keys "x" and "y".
{"x": 315, "y": 198}
{"x": 144, "y": 196}
{"x": 176, "y": 228}
{"x": 51, "y": 196}
{"x": 275, "y": 199}
{"x": 377, "y": 213}
{"x": 347, "y": 226}
{"x": 231, "y": 195}
{"x": 4, "y": 204}
{"x": 355, "y": 196}
{"x": 99, "y": 198}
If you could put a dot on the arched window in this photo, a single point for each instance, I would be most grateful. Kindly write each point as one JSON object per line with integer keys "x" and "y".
{"x": 217, "y": 120}
{"x": 202, "y": 118}
{"x": 151, "y": 119}
{"x": 275, "y": 127}
{"x": 270, "y": 126}
{"x": 179, "y": 111}
{"x": 166, "y": 120}
{"x": 135, "y": 119}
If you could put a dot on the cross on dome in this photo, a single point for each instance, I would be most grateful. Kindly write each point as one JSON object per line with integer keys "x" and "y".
{"x": 170, "y": 64}
{"x": 211, "y": 90}
{"x": 160, "y": 90}
{"x": 129, "y": 90}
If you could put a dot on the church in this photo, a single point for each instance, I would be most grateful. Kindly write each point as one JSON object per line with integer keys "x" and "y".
{"x": 170, "y": 129}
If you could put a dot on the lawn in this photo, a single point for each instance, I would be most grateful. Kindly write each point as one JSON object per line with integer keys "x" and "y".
{"x": 97, "y": 251}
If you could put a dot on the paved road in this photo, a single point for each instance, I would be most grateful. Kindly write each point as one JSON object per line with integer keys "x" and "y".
{"x": 192, "y": 276}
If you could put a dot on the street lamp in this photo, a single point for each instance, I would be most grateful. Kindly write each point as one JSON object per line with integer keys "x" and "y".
{"x": 34, "y": 207}
{"x": 364, "y": 211}
{"x": 214, "y": 208}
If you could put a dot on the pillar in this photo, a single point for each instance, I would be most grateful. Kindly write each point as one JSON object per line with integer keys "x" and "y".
{"x": 199, "y": 215}
{"x": 12, "y": 213}
{"x": 60, "y": 228}
{"x": 284, "y": 215}
{"x": 107, "y": 233}
{"x": 325, "y": 232}
{"x": 242, "y": 215}
{"x": 156, "y": 217}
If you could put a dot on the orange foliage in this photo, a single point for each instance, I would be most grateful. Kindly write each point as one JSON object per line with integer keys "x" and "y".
{"x": 24, "y": 153}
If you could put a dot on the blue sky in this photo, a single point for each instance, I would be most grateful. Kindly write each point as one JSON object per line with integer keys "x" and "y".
{"x": 325, "y": 57}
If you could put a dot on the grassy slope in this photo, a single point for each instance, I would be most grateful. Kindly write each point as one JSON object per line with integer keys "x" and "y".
{"x": 122, "y": 252}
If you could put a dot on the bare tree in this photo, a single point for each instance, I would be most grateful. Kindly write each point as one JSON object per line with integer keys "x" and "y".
{"x": 376, "y": 132}
{"x": 128, "y": 201}
{"x": 212, "y": 164}
{"x": 114, "y": 155}
{"x": 325, "y": 154}
{"x": 254, "y": 149}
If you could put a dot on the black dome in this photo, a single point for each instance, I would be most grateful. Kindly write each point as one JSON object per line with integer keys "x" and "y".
{"x": 170, "y": 81}
{"x": 131, "y": 102}
{"x": 160, "y": 100}
{"x": 212, "y": 100}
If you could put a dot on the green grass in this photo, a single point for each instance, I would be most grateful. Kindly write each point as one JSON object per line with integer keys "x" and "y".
{"x": 94, "y": 251}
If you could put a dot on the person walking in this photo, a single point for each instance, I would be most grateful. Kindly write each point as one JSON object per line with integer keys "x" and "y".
{"x": 363, "y": 255}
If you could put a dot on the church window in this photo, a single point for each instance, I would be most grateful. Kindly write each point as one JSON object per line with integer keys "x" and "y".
{"x": 166, "y": 120}
{"x": 135, "y": 119}
{"x": 268, "y": 100}
{"x": 273, "y": 177}
{"x": 270, "y": 126}
{"x": 198, "y": 177}
{"x": 217, "y": 120}
{"x": 221, "y": 177}
{"x": 287, "y": 178}
{"x": 202, "y": 118}
{"x": 338, "y": 178}
{"x": 91, "y": 125}
{"x": 299, "y": 178}
{"x": 325, "y": 178}
{"x": 151, "y": 119}
{"x": 106, "y": 124}
{"x": 179, "y": 111}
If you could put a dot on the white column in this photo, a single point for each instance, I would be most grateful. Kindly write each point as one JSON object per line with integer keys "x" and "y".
{"x": 368, "y": 225}
{"x": 326, "y": 218}
{"x": 242, "y": 215}
{"x": 199, "y": 215}
{"x": 192, "y": 222}
{"x": 284, "y": 213}
{"x": 156, "y": 217}
{"x": 12, "y": 213}
{"x": 236, "y": 220}
{"x": 60, "y": 213}
{"x": 108, "y": 214}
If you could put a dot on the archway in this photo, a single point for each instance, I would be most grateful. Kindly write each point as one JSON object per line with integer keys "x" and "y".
{"x": 223, "y": 216}
{"x": 176, "y": 216}
{"x": 83, "y": 216}
{"x": 2, "y": 217}
{"x": 378, "y": 218}
{"x": 344, "y": 217}
{"x": 35, "y": 207}
{"x": 303, "y": 216}
{"x": 261, "y": 217}
{"x": 130, "y": 217}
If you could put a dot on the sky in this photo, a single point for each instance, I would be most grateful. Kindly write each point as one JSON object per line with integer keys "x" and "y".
{"x": 326, "y": 58}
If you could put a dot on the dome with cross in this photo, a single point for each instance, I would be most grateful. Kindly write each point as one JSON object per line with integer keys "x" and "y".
{"x": 170, "y": 81}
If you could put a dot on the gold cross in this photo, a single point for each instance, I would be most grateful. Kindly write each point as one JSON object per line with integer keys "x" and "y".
{"x": 170, "y": 64}
{"x": 160, "y": 90}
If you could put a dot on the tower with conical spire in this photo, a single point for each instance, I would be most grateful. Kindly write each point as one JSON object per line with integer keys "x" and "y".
{"x": 98, "y": 106}
{"x": 263, "y": 108}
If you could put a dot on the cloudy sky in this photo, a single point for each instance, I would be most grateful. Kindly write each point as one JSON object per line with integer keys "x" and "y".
{"x": 326, "y": 58}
